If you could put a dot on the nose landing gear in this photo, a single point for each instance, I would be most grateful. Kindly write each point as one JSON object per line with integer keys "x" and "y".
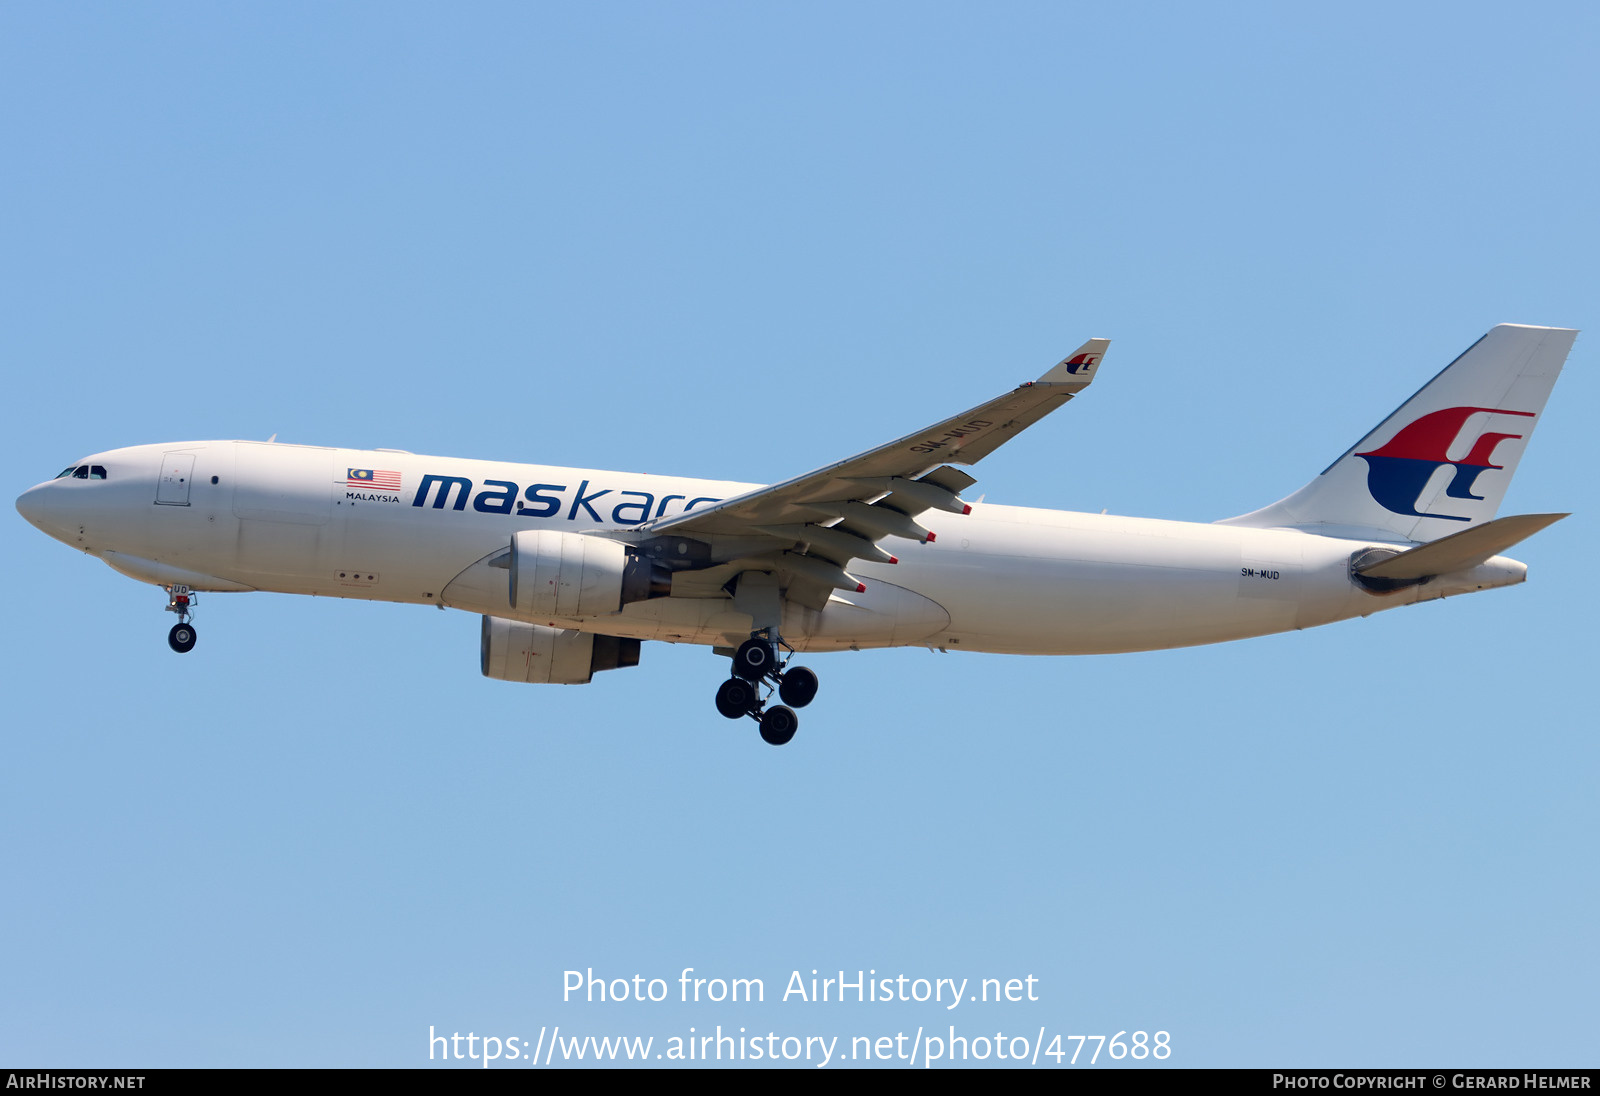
{"x": 757, "y": 664}
{"x": 182, "y": 637}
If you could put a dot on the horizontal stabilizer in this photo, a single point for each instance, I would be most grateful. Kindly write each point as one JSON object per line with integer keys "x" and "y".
{"x": 1460, "y": 551}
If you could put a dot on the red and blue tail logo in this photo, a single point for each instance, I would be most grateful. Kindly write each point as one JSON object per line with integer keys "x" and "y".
{"x": 1399, "y": 469}
{"x": 1080, "y": 363}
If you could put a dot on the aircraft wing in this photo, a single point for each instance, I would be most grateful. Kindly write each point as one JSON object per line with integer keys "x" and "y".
{"x": 812, "y": 526}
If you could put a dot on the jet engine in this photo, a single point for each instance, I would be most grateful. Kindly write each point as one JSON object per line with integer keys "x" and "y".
{"x": 514, "y": 651}
{"x": 567, "y": 575}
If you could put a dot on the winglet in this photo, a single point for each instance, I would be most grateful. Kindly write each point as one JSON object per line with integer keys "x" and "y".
{"x": 1078, "y": 367}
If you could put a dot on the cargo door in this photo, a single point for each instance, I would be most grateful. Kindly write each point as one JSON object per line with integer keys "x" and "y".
{"x": 172, "y": 489}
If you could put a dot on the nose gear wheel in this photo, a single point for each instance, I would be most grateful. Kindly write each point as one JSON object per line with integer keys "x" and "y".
{"x": 182, "y": 637}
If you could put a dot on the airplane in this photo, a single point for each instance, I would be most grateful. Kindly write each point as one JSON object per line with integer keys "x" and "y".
{"x": 572, "y": 569}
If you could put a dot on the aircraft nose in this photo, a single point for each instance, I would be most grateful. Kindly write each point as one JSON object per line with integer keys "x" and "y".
{"x": 31, "y": 504}
{"x": 40, "y": 505}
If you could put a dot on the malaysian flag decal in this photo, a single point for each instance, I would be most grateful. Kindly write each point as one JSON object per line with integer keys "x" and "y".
{"x": 376, "y": 478}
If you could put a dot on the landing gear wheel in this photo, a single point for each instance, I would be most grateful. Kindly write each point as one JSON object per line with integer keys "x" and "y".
{"x": 798, "y": 687}
{"x": 736, "y": 697}
{"x": 754, "y": 659}
{"x": 778, "y": 725}
{"x": 181, "y": 638}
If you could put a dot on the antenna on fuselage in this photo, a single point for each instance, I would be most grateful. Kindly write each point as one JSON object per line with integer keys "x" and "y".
{"x": 272, "y": 439}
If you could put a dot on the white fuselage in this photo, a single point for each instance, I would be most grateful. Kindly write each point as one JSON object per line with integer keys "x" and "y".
{"x": 236, "y": 515}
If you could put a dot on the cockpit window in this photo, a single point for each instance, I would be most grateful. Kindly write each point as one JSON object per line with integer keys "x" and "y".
{"x": 84, "y": 471}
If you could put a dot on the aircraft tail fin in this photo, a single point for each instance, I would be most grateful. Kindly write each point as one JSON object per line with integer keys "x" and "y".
{"x": 1442, "y": 461}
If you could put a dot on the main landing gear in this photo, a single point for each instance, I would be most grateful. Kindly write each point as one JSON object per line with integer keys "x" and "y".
{"x": 757, "y": 665}
{"x": 182, "y": 637}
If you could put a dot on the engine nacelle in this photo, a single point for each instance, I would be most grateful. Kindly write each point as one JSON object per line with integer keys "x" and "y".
{"x": 568, "y": 575}
{"x": 514, "y": 651}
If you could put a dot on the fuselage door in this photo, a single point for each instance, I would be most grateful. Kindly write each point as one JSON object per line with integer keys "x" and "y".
{"x": 177, "y": 469}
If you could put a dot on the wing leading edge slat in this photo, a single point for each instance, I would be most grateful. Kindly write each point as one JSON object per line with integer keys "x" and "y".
{"x": 812, "y": 526}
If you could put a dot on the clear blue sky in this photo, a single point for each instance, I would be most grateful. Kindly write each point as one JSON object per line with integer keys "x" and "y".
{"x": 740, "y": 241}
